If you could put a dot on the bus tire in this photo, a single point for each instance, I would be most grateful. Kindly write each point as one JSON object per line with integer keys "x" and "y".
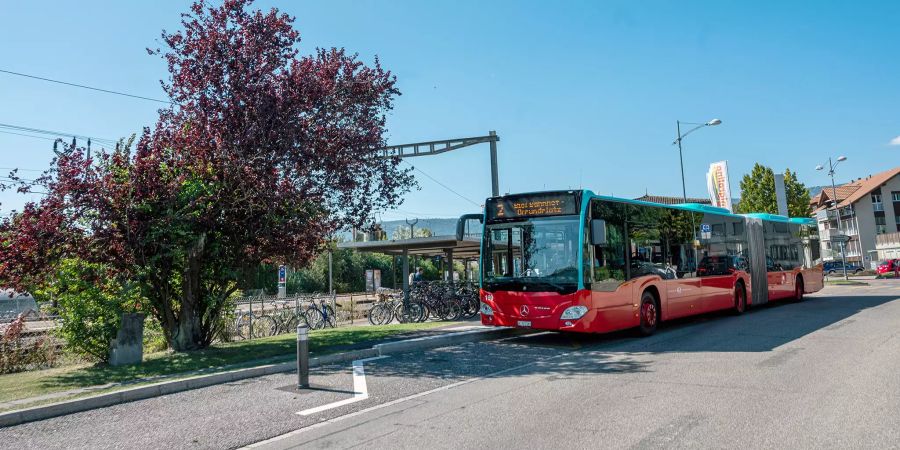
{"x": 740, "y": 298}
{"x": 798, "y": 289}
{"x": 649, "y": 314}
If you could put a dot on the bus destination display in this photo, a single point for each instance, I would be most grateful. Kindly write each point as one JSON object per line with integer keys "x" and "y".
{"x": 532, "y": 206}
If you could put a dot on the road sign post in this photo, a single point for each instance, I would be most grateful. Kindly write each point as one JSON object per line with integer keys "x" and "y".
{"x": 282, "y": 281}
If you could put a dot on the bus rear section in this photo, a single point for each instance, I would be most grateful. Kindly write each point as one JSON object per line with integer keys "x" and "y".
{"x": 789, "y": 261}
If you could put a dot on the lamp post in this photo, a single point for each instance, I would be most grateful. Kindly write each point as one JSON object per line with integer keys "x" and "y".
{"x": 677, "y": 140}
{"x": 837, "y": 212}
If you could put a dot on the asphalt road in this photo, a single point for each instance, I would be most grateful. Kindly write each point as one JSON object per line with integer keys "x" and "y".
{"x": 824, "y": 373}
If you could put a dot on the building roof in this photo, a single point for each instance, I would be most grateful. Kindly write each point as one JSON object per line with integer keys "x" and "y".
{"x": 672, "y": 200}
{"x": 468, "y": 247}
{"x": 853, "y": 191}
{"x": 824, "y": 196}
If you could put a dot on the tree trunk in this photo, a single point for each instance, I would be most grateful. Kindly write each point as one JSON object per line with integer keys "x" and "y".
{"x": 190, "y": 333}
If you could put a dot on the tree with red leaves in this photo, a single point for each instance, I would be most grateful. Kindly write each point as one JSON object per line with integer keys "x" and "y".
{"x": 262, "y": 156}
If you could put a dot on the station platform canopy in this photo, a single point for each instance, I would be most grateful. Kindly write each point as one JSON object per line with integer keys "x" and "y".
{"x": 462, "y": 245}
{"x": 465, "y": 248}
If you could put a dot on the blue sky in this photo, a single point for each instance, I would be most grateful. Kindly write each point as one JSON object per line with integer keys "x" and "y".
{"x": 581, "y": 93}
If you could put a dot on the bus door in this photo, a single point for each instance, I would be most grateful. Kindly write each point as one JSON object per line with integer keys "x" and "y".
{"x": 684, "y": 288}
{"x": 724, "y": 249}
{"x": 718, "y": 275}
{"x": 684, "y": 296}
{"x": 716, "y": 268}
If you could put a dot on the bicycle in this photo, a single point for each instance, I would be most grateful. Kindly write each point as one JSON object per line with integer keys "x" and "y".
{"x": 320, "y": 316}
{"x": 248, "y": 325}
{"x": 382, "y": 312}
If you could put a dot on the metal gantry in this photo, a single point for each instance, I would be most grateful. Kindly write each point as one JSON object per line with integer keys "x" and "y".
{"x": 436, "y": 148}
{"x": 443, "y": 146}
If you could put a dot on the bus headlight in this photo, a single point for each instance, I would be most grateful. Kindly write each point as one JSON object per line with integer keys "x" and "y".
{"x": 574, "y": 312}
{"x": 486, "y": 310}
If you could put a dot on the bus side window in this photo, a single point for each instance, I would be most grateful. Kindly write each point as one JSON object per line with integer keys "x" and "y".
{"x": 609, "y": 260}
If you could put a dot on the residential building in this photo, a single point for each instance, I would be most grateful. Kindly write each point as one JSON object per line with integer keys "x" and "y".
{"x": 888, "y": 246}
{"x": 868, "y": 207}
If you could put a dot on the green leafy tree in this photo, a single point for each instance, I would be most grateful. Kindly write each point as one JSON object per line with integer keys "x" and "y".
{"x": 758, "y": 193}
{"x": 90, "y": 304}
{"x": 403, "y": 232}
{"x": 348, "y": 272}
{"x": 262, "y": 155}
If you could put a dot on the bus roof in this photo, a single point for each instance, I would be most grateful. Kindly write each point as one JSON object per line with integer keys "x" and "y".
{"x": 767, "y": 216}
{"x": 695, "y": 207}
{"x": 779, "y": 218}
{"x": 803, "y": 220}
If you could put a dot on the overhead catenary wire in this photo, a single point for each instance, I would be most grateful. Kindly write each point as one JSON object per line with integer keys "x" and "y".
{"x": 21, "y": 169}
{"x": 443, "y": 185}
{"x": 27, "y": 135}
{"x": 416, "y": 213}
{"x": 4, "y": 127}
{"x": 108, "y": 91}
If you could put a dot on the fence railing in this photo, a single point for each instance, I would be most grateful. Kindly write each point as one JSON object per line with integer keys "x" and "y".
{"x": 262, "y": 316}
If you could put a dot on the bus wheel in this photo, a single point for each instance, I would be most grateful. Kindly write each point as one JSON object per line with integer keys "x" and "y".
{"x": 649, "y": 314}
{"x": 798, "y": 290}
{"x": 740, "y": 299}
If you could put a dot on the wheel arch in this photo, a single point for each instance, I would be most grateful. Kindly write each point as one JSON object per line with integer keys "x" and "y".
{"x": 654, "y": 291}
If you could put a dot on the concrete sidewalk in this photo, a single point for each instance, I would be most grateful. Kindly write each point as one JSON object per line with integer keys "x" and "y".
{"x": 451, "y": 335}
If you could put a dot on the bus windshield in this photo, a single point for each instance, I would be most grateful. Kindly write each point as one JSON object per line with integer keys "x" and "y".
{"x": 539, "y": 254}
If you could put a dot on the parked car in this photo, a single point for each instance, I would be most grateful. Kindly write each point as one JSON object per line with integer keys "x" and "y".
{"x": 888, "y": 266}
{"x": 836, "y": 267}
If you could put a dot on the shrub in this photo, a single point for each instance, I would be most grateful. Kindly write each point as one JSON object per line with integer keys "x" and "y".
{"x": 90, "y": 306}
{"x": 19, "y": 352}
{"x": 154, "y": 338}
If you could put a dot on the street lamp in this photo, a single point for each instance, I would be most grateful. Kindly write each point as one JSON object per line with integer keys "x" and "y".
{"x": 677, "y": 140}
{"x": 837, "y": 212}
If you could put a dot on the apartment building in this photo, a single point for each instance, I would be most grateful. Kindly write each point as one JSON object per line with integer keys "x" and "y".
{"x": 868, "y": 207}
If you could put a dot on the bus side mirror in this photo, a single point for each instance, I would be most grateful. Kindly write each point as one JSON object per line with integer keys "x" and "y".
{"x": 598, "y": 232}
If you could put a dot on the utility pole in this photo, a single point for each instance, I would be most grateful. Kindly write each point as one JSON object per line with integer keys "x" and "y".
{"x": 677, "y": 141}
{"x": 837, "y": 211}
{"x": 495, "y": 179}
{"x": 412, "y": 227}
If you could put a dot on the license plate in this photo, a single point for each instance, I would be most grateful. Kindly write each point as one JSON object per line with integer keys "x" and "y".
{"x": 524, "y": 323}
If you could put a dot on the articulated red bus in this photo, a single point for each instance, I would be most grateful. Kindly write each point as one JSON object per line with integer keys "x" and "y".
{"x": 577, "y": 261}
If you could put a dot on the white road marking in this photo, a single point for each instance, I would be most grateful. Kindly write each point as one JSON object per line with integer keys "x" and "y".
{"x": 466, "y": 327}
{"x": 400, "y": 400}
{"x": 360, "y": 391}
{"x": 530, "y": 335}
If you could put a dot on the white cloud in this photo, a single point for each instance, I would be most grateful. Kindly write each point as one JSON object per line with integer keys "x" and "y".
{"x": 895, "y": 141}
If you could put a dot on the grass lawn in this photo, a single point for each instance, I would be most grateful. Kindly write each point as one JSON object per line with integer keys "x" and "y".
{"x": 233, "y": 354}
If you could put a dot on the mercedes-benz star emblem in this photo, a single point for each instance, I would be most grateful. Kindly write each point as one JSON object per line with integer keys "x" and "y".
{"x": 524, "y": 310}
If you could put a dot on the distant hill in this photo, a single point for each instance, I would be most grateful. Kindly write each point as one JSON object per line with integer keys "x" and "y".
{"x": 814, "y": 190}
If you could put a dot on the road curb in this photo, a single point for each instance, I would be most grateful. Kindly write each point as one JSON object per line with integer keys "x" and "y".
{"x": 439, "y": 341}
{"x": 21, "y": 416}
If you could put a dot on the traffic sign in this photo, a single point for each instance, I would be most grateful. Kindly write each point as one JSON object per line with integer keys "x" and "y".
{"x": 840, "y": 238}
